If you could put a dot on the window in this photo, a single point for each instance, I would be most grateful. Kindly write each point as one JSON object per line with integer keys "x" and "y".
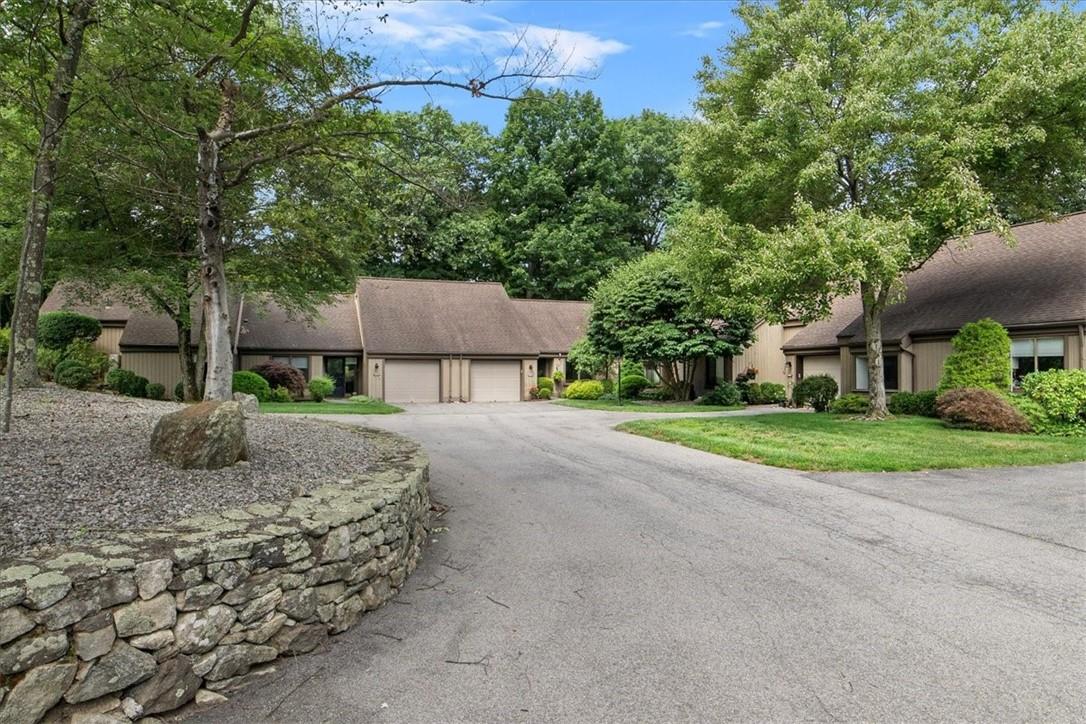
{"x": 300, "y": 363}
{"x": 1035, "y": 355}
{"x": 889, "y": 373}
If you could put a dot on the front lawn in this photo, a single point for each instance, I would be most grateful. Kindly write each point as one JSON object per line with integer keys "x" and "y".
{"x": 368, "y": 407}
{"x": 837, "y": 442}
{"x": 644, "y": 406}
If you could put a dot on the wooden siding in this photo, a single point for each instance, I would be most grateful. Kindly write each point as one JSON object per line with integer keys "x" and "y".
{"x": 109, "y": 341}
{"x": 928, "y": 363}
{"x": 765, "y": 355}
{"x": 822, "y": 364}
{"x": 161, "y": 367}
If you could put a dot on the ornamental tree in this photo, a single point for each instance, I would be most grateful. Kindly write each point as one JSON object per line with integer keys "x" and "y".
{"x": 845, "y": 142}
{"x": 643, "y": 311}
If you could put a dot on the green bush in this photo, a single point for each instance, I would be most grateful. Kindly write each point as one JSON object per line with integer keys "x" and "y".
{"x": 282, "y": 375}
{"x": 83, "y": 351}
{"x": 5, "y": 346}
{"x": 851, "y": 404}
{"x": 253, "y": 384}
{"x": 155, "y": 391}
{"x": 816, "y": 391}
{"x": 57, "y": 330}
{"x": 659, "y": 394}
{"x": 743, "y": 381}
{"x": 608, "y": 386}
{"x": 73, "y": 373}
{"x": 282, "y": 394}
{"x": 179, "y": 392}
{"x": 546, "y": 382}
{"x": 632, "y": 384}
{"x": 558, "y": 376}
{"x": 321, "y": 387}
{"x": 545, "y": 393}
{"x": 725, "y": 393}
{"x": 975, "y": 408}
{"x": 765, "y": 393}
{"x": 48, "y": 358}
{"x": 1042, "y": 423}
{"x": 1061, "y": 393}
{"x": 913, "y": 403}
{"x": 126, "y": 382}
{"x": 584, "y": 390}
{"x": 981, "y": 358}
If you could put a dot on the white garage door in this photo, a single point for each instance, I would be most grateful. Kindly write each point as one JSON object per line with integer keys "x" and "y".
{"x": 825, "y": 364}
{"x": 412, "y": 380}
{"x": 495, "y": 381}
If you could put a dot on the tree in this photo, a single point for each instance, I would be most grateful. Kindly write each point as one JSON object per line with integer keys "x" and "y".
{"x": 653, "y": 188}
{"x": 643, "y": 311}
{"x": 844, "y": 142}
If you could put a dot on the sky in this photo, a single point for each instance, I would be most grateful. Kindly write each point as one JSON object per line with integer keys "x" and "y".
{"x": 633, "y": 54}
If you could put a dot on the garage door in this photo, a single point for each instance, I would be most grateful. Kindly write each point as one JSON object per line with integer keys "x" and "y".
{"x": 412, "y": 380}
{"x": 823, "y": 365}
{"x": 495, "y": 381}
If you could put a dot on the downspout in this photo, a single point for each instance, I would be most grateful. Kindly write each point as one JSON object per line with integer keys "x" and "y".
{"x": 1082, "y": 346}
{"x": 462, "y": 378}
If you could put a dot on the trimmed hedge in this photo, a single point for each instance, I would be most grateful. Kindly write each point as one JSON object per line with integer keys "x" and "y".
{"x": 250, "y": 383}
{"x": 127, "y": 382}
{"x": 281, "y": 394}
{"x": 913, "y": 403}
{"x": 850, "y": 404}
{"x": 974, "y": 408}
{"x": 320, "y": 387}
{"x": 981, "y": 358}
{"x": 1062, "y": 393}
{"x": 765, "y": 393}
{"x": 632, "y": 384}
{"x": 544, "y": 382}
{"x": 816, "y": 391}
{"x": 282, "y": 375}
{"x": 57, "y": 330}
{"x": 73, "y": 373}
{"x": 584, "y": 390}
{"x": 155, "y": 391}
{"x": 725, "y": 393}
{"x": 179, "y": 392}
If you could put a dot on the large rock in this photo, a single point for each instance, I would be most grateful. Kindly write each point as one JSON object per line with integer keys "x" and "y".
{"x": 31, "y": 651}
{"x": 123, "y": 666}
{"x": 37, "y": 693}
{"x": 250, "y": 406}
{"x": 172, "y": 685}
{"x": 199, "y": 631}
{"x": 144, "y": 617}
{"x": 208, "y": 435}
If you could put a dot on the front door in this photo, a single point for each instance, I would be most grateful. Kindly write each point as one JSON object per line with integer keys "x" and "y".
{"x": 343, "y": 371}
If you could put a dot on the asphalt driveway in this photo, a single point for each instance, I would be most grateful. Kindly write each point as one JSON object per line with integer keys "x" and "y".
{"x": 586, "y": 575}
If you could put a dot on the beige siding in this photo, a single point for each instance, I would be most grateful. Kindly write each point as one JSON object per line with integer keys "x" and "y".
{"x": 375, "y": 378}
{"x": 847, "y": 382}
{"x": 928, "y": 363}
{"x": 109, "y": 341}
{"x": 454, "y": 380}
{"x": 161, "y": 367}
{"x": 249, "y": 361}
{"x": 765, "y": 354}
{"x": 823, "y": 364}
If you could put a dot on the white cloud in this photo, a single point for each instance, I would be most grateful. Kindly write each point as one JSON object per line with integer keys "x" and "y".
{"x": 702, "y": 30}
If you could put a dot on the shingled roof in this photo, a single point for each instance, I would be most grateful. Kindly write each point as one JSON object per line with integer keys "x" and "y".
{"x": 106, "y": 307}
{"x": 425, "y": 317}
{"x": 267, "y": 326}
{"x": 1039, "y": 281}
{"x": 554, "y": 324}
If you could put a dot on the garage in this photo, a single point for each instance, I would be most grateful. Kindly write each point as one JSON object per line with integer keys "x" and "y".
{"x": 412, "y": 381}
{"x": 495, "y": 381}
{"x": 825, "y": 364}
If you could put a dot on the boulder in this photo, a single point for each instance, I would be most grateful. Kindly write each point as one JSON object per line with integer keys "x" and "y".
{"x": 209, "y": 436}
{"x": 37, "y": 693}
{"x": 123, "y": 666}
{"x": 173, "y": 685}
{"x": 250, "y": 406}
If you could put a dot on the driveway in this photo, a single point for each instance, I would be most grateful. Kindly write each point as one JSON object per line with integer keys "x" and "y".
{"x": 586, "y": 575}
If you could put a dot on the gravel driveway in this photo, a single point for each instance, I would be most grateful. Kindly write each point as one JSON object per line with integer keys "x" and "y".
{"x": 585, "y": 575}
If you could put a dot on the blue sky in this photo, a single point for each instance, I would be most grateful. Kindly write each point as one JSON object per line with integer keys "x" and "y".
{"x": 640, "y": 54}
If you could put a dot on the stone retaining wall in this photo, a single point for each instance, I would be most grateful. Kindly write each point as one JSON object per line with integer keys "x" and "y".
{"x": 149, "y": 621}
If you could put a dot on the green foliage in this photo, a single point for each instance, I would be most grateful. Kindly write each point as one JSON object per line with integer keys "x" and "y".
{"x": 282, "y": 375}
{"x": 47, "y": 359}
{"x": 179, "y": 392}
{"x": 975, "y": 408}
{"x": 913, "y": 403}
{"x": 1061, "y": 393}
{"x": 84, "y": 352}
{"x": 320, "y": 387}
{"x": 5, "y": 345}
{"x": 558, "y": 377}
{"x": 587, "y": 359}
{"x": 544, "y": 393}
{"x": 156, "y": 391}
{"x": 725, "y": 394}
{"x": 73, "y": 373}
{"x": 608, "y": 386}
{"x": 851, "y": 404}
{"x": 765, "y": 393}
{"x": 250, "y": 383}
{"x": 545, "y": 382}
{"x": 57, "y": 330}
{"x": 126, "y": 382}
{"x": 584, "y": 390}
{"x": 632, "y": 384}
{"x": 656, "y": 394}
{"x": 282, "y": 394}
{"x": 981, "y": 358}
{"x": 816, "y": 391}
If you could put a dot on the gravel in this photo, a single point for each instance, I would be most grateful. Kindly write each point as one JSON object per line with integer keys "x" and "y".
{"x": 77, "y": 464}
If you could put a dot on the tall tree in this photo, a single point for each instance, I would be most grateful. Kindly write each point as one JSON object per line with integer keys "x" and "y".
{"x": 844, "y": 142}
{"x": 652, "y": 143}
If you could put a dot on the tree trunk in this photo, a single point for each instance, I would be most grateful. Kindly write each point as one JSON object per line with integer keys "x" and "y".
{"x": 22, "y": 367}
{"x": 874, "y": 303}
{"x": 218, "y": 382}
{"x": 188, "y": 357}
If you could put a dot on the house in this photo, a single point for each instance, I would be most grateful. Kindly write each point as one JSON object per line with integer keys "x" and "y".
{"x": 400, "y": 340}
{"x": 1036, "y": 289}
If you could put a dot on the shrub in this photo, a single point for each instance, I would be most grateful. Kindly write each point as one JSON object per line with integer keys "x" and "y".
{"x": 57, "y": 330}
{"x": 608, "y": 385}
{"x": 979, "y": 409}
{"x": 584, "y": 390}
{"x": 282, "y": 394}
{"x": 1061, "y": 393}
{"x": 632, "y": 384}
{"x": 5, "y": 346}
{"x": 725, "y": 393}
{"x": 981, "y": 358}
{"x": 282, "y": 375}
{"x": 659, "y": 394}
{"x": 73, "y": 373}
{"x": 1042, "y": 423}
{"x": 545, "y": 393}
{"x": 558, "y": 377}
{"x": 179, "y": 392}
{"x": 155, "y": 391}
{"x": 913, "y": 403}
{"x": 48, "y": 358}
{"x": 83, "y": 351}
{"x": 533, "y": 392}
{"x": 542, "y": 382}
{"x": 766, "y": 393}
{"x": 816, "y": 391}
{"x": 320, "y": 387}
{"x": 127, "y": 382}
{"x": 743, "y": 380}
{"x": 250, "y": 383}
{"x": 851, "y": 404}
{"x": 138, "y": 387}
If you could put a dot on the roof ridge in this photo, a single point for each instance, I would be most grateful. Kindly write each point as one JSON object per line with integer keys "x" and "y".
{"x": 543, "y": 299}
{"x": 433, "y": 281}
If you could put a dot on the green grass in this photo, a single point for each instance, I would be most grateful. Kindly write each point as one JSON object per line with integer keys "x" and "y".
{"x": 370, "y": 407}
{"x": 838, "y": 442}
{"x": 645, "y": 406}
